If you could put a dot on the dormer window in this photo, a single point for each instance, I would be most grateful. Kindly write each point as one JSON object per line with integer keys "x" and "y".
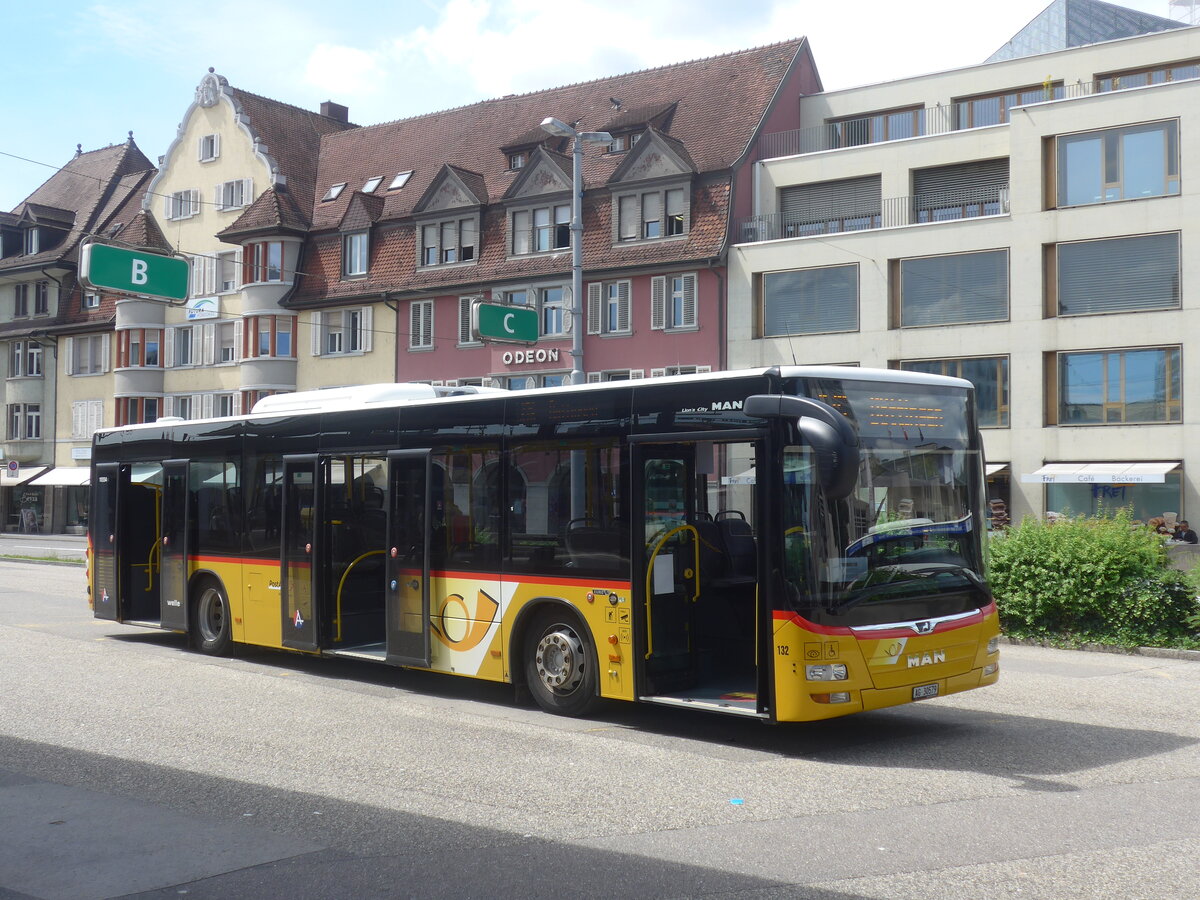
{"x": 334, "y": 192}
{"x": 400, "y": 180}
{"x": 450, "y": 241}
{"x": 542, "y": 229}
{"x": 210, "y": 147}
{"x": 649, "y": 215}
{"x": 372, "y": 183}
{"x": 618, "y": 144}
{"x": 32, "y": 240}
{"x": 355, "y": 248}
{"x": 517, "y": 160}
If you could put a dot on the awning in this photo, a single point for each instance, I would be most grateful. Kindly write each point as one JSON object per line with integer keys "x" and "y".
{"x": 65, "y": 475}
{"x": 992, "y": 468}
{"x": 1102, "y": 473}
{"x": 24, "y": 476}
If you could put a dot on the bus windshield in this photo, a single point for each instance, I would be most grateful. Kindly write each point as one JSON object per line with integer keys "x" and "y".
{"x": 905, "y": 543}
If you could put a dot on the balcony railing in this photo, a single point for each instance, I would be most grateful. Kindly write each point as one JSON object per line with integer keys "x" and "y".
{"x": 942, "y": 206}
{"x": 941, "y": 119}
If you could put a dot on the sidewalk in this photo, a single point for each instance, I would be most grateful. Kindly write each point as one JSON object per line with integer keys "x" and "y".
{"x": 63, "y": 547}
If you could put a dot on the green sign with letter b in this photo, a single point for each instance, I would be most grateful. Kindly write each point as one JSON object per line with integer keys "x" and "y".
{"x": 134, "y": 272}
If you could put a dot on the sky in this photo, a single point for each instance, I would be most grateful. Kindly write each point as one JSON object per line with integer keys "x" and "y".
{"x": 88, "y": 72}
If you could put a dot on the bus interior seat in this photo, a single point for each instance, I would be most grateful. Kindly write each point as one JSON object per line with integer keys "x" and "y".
{"x": 738, "y": 537}
{"x": 590, "y": 546}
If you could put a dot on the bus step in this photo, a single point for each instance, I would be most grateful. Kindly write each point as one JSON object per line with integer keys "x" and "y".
{"x": 373, "y": 652}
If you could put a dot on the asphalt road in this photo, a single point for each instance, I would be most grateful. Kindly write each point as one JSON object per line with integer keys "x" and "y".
{"x": 130, "y": 766}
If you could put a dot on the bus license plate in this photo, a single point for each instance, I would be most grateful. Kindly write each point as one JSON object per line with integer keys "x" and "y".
{"x": 925, "y": 690}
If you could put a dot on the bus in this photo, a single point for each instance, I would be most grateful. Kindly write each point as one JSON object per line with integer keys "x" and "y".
{"x": 789, "y": 544}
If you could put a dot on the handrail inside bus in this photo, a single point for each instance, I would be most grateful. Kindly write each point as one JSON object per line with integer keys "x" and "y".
{"x": 337, "y": 616}
{"x": 650, "y": 572}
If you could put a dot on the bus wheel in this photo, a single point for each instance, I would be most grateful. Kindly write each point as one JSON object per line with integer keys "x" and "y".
{"x": 211, "y": 631}
{"x": 560, "y": 664}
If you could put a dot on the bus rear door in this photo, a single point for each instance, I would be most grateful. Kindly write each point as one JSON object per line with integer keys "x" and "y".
{"x": 301, "y": 575}
{"x": 174, "y": 545}
{"x": 106, "y": 550}
{"x": 125, "y": 537}
{"x": 408, "y": 548}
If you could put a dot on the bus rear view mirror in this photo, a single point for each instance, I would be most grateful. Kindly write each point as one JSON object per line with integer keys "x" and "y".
{"x": 832, "y": 437}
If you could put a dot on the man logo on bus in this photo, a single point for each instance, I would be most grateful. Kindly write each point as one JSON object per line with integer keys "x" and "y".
{"x": 722, "y": 405}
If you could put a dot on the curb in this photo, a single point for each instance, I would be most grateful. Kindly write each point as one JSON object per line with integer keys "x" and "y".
{"x": 77, "y": 563}
{"x": 1157, "y": 652}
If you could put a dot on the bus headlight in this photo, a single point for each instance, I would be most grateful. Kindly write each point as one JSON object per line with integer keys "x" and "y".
{"x": 827, "y": 672}
{"x": 990, "y": 669}
{"x": 993, "y": 644}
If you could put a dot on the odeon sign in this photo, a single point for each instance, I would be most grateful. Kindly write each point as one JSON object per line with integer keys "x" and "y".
{"x": 519, "y": 357}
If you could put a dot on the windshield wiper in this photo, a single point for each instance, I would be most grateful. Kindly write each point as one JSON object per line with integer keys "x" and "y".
{"x": 915, "y": 575}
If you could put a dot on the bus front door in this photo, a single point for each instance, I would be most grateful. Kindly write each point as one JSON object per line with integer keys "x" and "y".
{"x": 670, "y": 564}
{"x": 299, "y": 568}
{"x": 106, "y": 551}
{"x": 173, "y": 545}
{"x": 407, "y": 569}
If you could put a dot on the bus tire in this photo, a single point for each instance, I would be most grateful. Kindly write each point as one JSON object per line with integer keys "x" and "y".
{"x": 560, "y": 664}
{"x": 211, "y": 630}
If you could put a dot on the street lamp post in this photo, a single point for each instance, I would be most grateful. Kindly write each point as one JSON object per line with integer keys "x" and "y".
{"x": 578, "y": 323}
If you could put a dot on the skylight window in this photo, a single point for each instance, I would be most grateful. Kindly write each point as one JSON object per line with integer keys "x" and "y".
{"x": 371, "y": 184}
{"x": 400, "y": 180}
{"x": 334, "y": 191}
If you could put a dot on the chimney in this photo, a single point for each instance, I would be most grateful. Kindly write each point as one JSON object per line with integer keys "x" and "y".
{"x": 336, "y": 111}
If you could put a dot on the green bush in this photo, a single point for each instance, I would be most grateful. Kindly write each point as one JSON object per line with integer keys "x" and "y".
{"x": 1102, "y": 580}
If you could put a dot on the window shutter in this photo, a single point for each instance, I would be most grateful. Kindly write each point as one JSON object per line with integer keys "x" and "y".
{"x": 810, "y": 301}
{"x": 703, "y": 369}
{"x": 315, "y": 329}
{"x": 593, "y": 377}
{"x": 623, "y": 306}
{"x": 195, "y": 196}
{"x": 657, "y": 373}
{"x": 427, "y": 324}
{"x": 1119, "y": 274}
{"x": 238, "y": 330}
{"x": 636, "y": 373}
{"x": 954, "y": 187}
{"x": 594, "y": 307}
{"x": 366, "y": 331}
{"x": 210, "y": 343}
{"x": 830, "y": 206}
{"x": 658, "y": 302}
{"x": 464, "y": 320}
{"x": 216, "y": 145}
{"x": 69, "y": 357}
{"x": 168, "y": 406}
{"x": 79, "y": 416}
{"x": 168, "y": 347}
{"x": 206, "y": 406}
{"x": 105, "y": 353}
{"x": 568, "y": 313}
{"x": 689, "y": 300}
{"x": 219, "y": 197}
{"x": 167, "y": 206}
{"x": 247, "y": 191}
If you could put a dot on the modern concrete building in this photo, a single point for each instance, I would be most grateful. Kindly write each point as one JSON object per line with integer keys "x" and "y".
{"x": 1032, "y": 224}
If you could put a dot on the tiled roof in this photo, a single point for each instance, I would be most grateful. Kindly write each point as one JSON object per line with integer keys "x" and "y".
{"x": 274, "y": 211}
{"x": 289, "y": 135}
{"x": 91, "y": 186}
{"x": 718, "y": 103}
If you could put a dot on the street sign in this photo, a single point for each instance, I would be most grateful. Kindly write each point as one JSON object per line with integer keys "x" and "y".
{"x": 502, "y": 322}
{"x": 134, "y": 272}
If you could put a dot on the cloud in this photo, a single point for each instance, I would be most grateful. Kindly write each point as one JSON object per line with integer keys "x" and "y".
{"x": 339, "y": 71}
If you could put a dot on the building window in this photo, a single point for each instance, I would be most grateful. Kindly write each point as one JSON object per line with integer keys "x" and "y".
{"x": 608, "y": 308}
{"x": 86, "y": 417}
{"x": 372, "y": 183}
{"x": 871, "y": 129}
{"x": 553, "y": 311}
{"x": 1143, "y": 77}
{"x": 1127, "y": 274}
{"x": 448, "y": 242}
{"x": 400, "y": 180}
{"x": 32, "y": 241}
{"x": 989, "y": 375}
{"x": 541, "y": 230}
{"x": 673, "y": 302}
{"x": 335, "y": 191}
{"x": 517, "y": 160}
{"x": 210, "y": 147}
{"x": 1110, "y": 387}
{"x": 262, "y": 261}
{"x": 184, "y": 348}
{"x": 132, "y": 410}
{"x": 1144, "y": 501}
{"x": 226, "y": 339}
{"x": 228, "y": 405}
{"x": 24, "y": 421}
{"x": 41, "y": 298}
{"x": 618, "y": 144}
{"x": 951, "y": 290}
{"x": 1118, "y": 164}
{"x": 265, "y": 336}
{"x": 995, "y": 109}
{"x": 354, "y": 253}
{"x": 88, "y": 355}
{"x": 831, "y": 207}
{"x": 139, "y": 347}
{"x": 420, "y": 328}
{"x": 227, "y": 271}
{"x": 181, "y": 406}
{"x": 20, "y": 301}
{"x": 182, "y": 204}
{"x": 652, "y": 214}
{"x": 342, "y": 331}
{"x": 235, "y": 194}
{"x": 810, "y": 301}
{"x": 960, "y": 191}
{"x": 90, "y": 300}
{"x": 24, "y": 359}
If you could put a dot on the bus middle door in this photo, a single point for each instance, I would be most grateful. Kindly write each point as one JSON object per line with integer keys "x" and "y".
{"x": 406, "y": 573}
{"x": 300, "y": 568}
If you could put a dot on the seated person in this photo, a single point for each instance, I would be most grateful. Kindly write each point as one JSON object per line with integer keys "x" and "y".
{"x": 1184, "y": 533}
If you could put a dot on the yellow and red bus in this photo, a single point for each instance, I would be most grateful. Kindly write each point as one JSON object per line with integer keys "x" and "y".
{"x": 789, "y": 544}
